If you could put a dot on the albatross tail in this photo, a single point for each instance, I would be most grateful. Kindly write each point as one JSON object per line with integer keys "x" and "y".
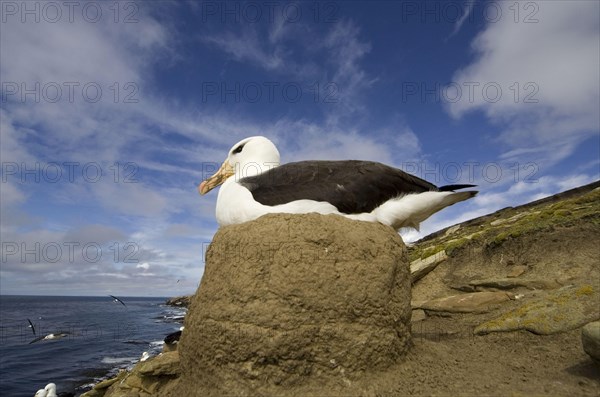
{"x": 412, "y": 209}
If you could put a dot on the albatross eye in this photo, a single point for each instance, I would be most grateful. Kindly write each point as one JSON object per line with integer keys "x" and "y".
{"x": 238, "y": 149}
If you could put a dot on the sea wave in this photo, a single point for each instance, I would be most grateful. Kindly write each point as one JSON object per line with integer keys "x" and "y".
{"x": 118, "y": 360}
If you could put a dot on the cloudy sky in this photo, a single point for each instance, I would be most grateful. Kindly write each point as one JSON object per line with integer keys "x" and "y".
{"x": 112, "y": 114}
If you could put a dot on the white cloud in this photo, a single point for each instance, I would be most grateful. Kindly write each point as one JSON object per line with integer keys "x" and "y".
{"x": 129, "y": 198}
{"x": 247, "y": 46}
{"x": 80, "y": 51}
{"x": 295, "y": 50}
{"x": 346, "y": 51}
{"x": 103, "y": 132}
{"x": 467, "y": 9}
{"x": 149, "y": 213}
{"x": 271, "y": 50}
{"x": 10, "y": 195}
{"x": 555, "y": 62}
{"x": 99, "y": 234}
{"x": 12, "y": 150}
{"x": 104, "y": 57}
{"x": 523, "y": 192}
{"x": 299, "y": 140}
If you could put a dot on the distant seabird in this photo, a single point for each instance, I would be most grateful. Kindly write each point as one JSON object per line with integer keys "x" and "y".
{"x": 31, "y": 326}
{"x": 173, "y": 338}
{"x": 118, "y": 300}
{"x": 50, "y": 391}
{"x": 41, "y": 393}
{"x": 145, "y": 356}
{"x": 55, "y": 335}
{"x": 255, "y": 184}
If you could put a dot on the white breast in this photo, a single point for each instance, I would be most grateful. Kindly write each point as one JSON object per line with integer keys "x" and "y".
{"x": 235, "y": 204}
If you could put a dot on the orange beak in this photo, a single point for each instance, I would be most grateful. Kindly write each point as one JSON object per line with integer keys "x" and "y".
{"x": 218, "y": 178}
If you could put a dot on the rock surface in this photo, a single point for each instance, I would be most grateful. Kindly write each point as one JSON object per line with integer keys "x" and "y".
{"x": 100, "y": 389}
{"x": 508, "y": 284}
{"x": 590, "y": 339}
{"x": 418, "y": 315}
{"x": 166, "y": 364}
{"x": 420, "y": 267}
{"x": 296, "y": 300}
{"x": 565, "y": 309}
{"x": 179, "y": 301}
{"x": 517, "y": 271}
{"x": 477, "y": 302}
{"x": 153, "y": 377}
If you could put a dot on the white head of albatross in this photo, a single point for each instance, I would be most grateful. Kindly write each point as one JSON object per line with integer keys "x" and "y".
{"x": 254, "y": 184}
{"x": 248, "y": 157}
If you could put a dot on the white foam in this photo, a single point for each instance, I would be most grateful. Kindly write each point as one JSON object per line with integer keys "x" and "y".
{"x": 117, "y": 360}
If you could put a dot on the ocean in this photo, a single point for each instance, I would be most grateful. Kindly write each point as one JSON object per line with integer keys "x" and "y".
{"x": 103, "y": 337}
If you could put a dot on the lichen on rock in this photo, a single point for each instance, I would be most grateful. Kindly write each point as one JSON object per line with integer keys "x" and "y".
{"x": 563, "y": 310}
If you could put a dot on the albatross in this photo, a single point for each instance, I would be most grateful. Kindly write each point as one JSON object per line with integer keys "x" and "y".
{"x": 117, "y": 300}
{"x": 254, "y": 183}
{"x": 52, "y": 336}
{"x": 50, "y": 391}
{"x": 31, "y": 326}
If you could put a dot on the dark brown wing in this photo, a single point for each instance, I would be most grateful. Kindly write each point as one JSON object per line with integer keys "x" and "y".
{"x": 353, "y": 186}
{"x": 118, "y": 300}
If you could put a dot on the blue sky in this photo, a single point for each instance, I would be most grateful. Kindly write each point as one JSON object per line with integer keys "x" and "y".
{"x": 112, "y": 114}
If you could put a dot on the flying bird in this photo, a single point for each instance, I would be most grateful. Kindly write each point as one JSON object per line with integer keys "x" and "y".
{"x": 31, "y": 326}
{"x": 254, "y": 183}
{"x": 52, "y": 336}
{"x": 118, "y": 300}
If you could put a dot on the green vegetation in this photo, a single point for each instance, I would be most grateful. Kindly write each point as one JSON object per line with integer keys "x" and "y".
{"x": 545, "y": 216}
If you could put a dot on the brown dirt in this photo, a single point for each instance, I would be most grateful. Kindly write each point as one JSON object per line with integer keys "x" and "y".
{"x": 447, "y": 359}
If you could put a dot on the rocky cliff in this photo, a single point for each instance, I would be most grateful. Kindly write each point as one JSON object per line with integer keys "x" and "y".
{"x": 314, "y": 305}
{"x": 179, "y": 301}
